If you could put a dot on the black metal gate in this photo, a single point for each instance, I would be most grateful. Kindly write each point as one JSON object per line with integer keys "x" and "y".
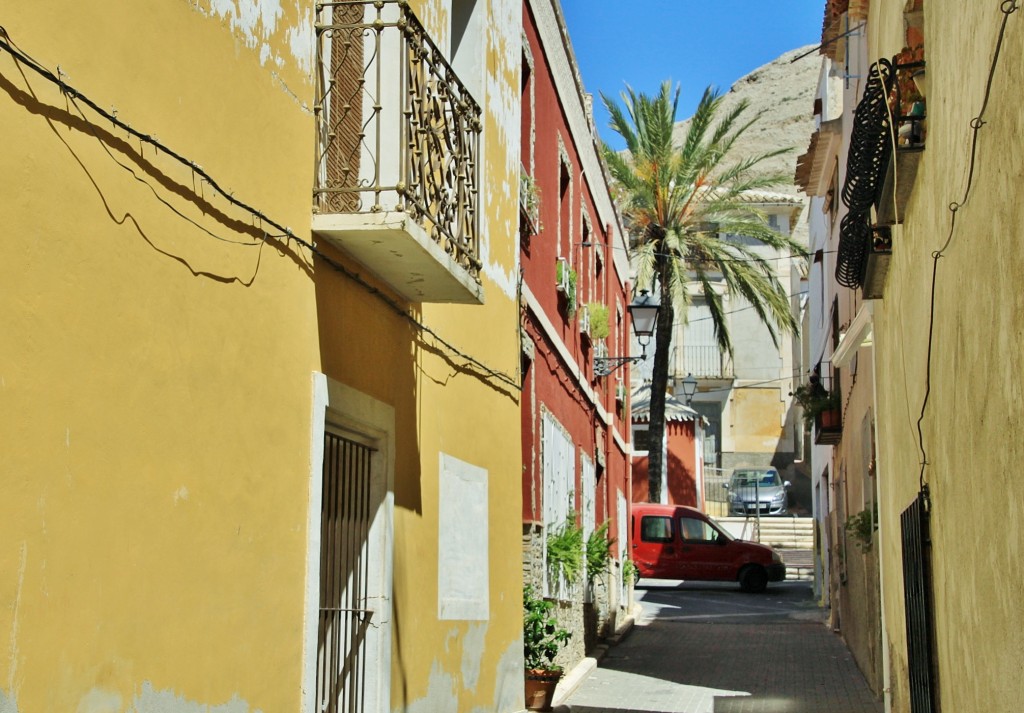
{"x": 344, "y": 616}
{"x": 917, "y": 597}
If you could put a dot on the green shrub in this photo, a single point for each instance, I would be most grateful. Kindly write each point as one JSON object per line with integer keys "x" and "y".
{"x": 814, "y": 399}
{"x": 542, "y": 637}
{"x": 628, "y": 571}
{"x": 861, "y": 527}
{"x": 600, "y": 327}
{"x": 565, "y": 549}
{"x": 599, "y": 552}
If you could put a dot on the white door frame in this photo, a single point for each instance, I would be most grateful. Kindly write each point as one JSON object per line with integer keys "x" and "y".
{"x": 372, "y": 422}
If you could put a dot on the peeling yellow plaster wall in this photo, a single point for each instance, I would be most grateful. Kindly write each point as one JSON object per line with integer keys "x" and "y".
{"x": 760, "y": 412}
{"x": 474, "y": 419}
{"x": 155, "y": 367}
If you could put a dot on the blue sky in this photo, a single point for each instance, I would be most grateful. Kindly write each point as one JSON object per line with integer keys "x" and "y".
{"x": 692, "y": 42}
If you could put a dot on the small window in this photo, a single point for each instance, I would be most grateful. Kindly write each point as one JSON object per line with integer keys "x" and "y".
{"x": 654, "y": 528}
{"x": 641, "y": 439}
{"x": 564, "y": 203}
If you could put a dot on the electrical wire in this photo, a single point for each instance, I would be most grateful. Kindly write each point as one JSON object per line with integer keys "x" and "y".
{"x": 1007, "y": 7}
{"x": 791, "y": 256}
{"x": 286, "y": 233}
{"x": 742, "y": 309}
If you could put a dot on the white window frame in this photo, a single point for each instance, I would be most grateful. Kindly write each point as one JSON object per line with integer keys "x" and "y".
{"x": 558, "y": 467}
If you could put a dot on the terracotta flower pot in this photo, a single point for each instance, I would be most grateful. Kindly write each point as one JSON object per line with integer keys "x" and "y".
{"x": 540, "y": 688}
{"x": 831, "y": 418}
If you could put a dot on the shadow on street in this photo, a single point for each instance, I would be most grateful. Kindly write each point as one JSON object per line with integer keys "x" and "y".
{"x": 710, "y": 648}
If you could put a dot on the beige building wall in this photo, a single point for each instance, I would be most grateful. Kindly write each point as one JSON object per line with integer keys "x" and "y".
{"x": 164, "y": 364}
{"x": 974, "y": 406}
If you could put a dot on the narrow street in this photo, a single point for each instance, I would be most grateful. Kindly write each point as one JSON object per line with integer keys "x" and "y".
{"x": 709, "y": 648}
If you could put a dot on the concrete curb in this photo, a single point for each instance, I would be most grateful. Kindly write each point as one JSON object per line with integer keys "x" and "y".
{"x": 572, "y": 680}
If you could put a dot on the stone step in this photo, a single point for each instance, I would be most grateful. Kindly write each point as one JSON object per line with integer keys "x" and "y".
{"x": 787, "y": 532}
{"x": 799, "y": 574}
{"x": 799, "y": 564}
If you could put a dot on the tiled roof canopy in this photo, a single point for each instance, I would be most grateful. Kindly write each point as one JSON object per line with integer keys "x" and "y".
{"x": 675, "y": 410}
{"x": 840, "y": 16}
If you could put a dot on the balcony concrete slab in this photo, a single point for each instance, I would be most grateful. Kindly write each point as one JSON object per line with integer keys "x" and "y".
{"x": 401, "y": 252}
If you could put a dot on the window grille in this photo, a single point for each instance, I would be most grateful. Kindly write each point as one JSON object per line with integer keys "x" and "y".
{"x": 917, "y": 597}
{"x": 344, "y": 576}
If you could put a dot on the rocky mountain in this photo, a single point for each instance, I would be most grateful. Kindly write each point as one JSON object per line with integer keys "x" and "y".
{"x": 782, "y": 92}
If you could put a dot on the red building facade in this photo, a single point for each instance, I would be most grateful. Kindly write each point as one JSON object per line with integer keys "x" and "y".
{"x": 683, "y": 455}
{"x": 575, "y": 294}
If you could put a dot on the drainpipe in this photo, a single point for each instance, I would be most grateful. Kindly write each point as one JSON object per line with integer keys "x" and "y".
{"x": 886, "y": 680}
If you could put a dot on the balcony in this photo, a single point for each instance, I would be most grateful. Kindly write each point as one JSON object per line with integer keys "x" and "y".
{"x": 891, "y": 111}
{"x": 397, "y": 153}
{"x": 828, "y": 427}
{"x": 705, "y": 362}
{"x": 911, "y": 124}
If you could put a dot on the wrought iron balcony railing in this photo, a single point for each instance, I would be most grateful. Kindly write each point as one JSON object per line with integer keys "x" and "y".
{"x": 891, "y": 113}
{"x": 706, "y": 362}
{"x": 397, "y": 137}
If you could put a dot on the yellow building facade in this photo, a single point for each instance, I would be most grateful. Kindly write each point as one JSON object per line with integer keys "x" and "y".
{"x": 254, "y": 461}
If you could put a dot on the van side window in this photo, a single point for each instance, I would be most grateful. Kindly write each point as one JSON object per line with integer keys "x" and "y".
{"x": 654, "y": 528}
{"x": 694, "y": 530}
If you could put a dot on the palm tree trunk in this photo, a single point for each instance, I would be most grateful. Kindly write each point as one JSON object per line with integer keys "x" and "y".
{"x": 659, "y": 391}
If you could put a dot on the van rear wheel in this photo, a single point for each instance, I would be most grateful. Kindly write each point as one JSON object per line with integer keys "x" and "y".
{"x": 754, "y": 579}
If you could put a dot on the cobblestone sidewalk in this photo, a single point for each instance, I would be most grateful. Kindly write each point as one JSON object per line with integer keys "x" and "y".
{"x": 740, "y": 662}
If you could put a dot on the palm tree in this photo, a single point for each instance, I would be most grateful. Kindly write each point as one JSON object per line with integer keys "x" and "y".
{"x": 679, "y": 198}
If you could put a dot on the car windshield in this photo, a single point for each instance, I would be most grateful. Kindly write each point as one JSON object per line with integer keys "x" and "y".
{"x": 751, "y": 478}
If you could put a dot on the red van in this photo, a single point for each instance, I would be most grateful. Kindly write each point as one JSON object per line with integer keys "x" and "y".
{"x": 679, "y": 542}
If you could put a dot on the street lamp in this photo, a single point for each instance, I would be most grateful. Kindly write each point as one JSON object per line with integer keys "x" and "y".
{"x": 643, "y": 311}
{"x": 689, "y": 388}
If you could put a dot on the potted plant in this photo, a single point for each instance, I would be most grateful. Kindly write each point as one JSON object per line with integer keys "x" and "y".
{"x": 600, "y": 326}
{"x": 542, "y": 638}
{"x": 822, "y": 410}
{"x": 565, "y": 282}
{"x": 817, "y": 402}
{"x": 529, "y": 201}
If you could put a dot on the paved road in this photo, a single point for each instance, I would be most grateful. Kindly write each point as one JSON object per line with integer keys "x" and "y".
{"x": 709, "y": 648}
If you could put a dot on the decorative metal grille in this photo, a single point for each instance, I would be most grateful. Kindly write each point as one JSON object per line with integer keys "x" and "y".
{"x": 917, "y": 596}
{"x": 397, "y": 129}
{"x": 344, "y": 576}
